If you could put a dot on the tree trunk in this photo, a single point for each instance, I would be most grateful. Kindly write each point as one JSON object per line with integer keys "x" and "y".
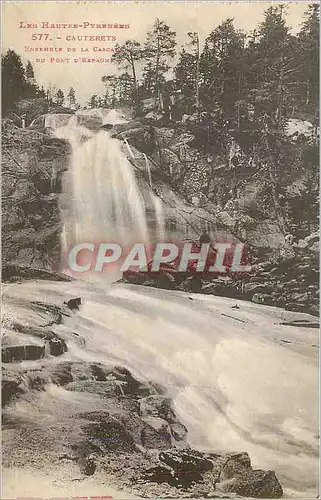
{"x": 277, "y": 209}
{"x": 134, "y": 76}
{"x": 197, "y": 76}
{"x": 157, "y": 83}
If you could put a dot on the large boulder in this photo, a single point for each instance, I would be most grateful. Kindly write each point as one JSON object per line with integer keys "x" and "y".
{"x": 103, "y": 389}
{"x": 156, "y": 433}
{"x": 186, "y": 460}
{"x": 105, "y": 432}
{"x": 11, "y": 385}
{"x": 31, "y": 352}
{"x": 254, "y": 484}
{"x": 237, "y": 463}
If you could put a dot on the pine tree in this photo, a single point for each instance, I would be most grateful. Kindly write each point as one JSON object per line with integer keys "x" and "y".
{"x": 308, "y": 74}
{"x": 60, "y": 97}
{"x": 32, "y": 89}
{"x": 187, "y": 74}
{"x": 41, "y": 92}
{"x": 221, "y": 67}
{"x": 29, "y": 70}
{"x": 94, "y": 101}
{"x": 14, "y": 83}
{"x": 272, "y": 59}
{"x": 71, "y": 96}
{"x": 111, "y": 84}
{"x": 185, "y": 80}
{"x": 159, "y": 49}
{"x": 126, "y": 56}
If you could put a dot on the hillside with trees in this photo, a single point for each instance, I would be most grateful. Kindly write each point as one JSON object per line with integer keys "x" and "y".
{"x": 229, "y": 123}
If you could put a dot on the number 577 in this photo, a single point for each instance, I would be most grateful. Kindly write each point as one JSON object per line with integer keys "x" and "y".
{"x": 39, "y": 36}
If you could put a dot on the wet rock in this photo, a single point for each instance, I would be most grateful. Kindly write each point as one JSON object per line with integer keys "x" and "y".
{"x": 11, "y": 354}
{"x": 57, "y": 346}
{"x": 73, "y": 304}
{"x": 254, "y": 484}
{"x": 314, "y": 310}
{"x": 37, "y": 380}
{"x": 156, "y": 433}
{"x": 236, "y": 464}
{"x": 11, "y": 385}
{"x": 166, "y": 281}
{"x": 179, "y": 431}
{"x": 293, "y": 306}
{"x": 263, "y": 298}
{"x": 157, "y": 406}
{"x": 130, "y": 386}
{"x": 186, "y": 460}
{"x": 103, "y": 389}
{"x": 137, "y": 279}
{"x": 61, "y": 374}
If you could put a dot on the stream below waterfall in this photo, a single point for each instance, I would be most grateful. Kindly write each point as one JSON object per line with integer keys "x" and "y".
{"x": 239, "y": 380}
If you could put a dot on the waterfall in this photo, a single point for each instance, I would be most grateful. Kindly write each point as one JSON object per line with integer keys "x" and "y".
{"x": 159, "y": 213}
{"x": 104, "y": 202}
{"x": 149, "y": 175}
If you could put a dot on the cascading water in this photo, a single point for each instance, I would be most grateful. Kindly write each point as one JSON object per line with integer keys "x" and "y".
{"x": 103, "y": 201}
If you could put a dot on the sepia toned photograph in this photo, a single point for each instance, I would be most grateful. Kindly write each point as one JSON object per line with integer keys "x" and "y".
{"x": 160, "y": 249}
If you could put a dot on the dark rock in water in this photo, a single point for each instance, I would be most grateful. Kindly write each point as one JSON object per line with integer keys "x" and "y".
{"x": 37, "y": 380}
{"x": 57, "y": 346}
{"x": 11, "y": 386}
{"x": 314, "y": 310}
{"x": 131, "y": 386}
{"x": 107, "y": 126}
{"x": 103, "y": 389}
{"x": 73, "y": 304}
{"x": 22, "y": 353}
{"x": 157, "y": 406}
{"x": 179, "y": 431}
{"x": 263, "y": 298}
{"x": 236, "y": 464}
{"x": 98, "y": 372}
{"x": 166, "y": 281}
{"x": 186, "y": 460}
{"x": 255, "y": 484}
{"x": 61, "y": 374}
{"x": 156, "y": 433}
{"x": 293, "y": 306}
{"x": 195, "y": 284}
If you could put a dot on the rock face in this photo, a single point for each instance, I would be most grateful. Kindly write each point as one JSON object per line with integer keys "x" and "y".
{"x": 254, "y": 484}
{"x": 22, "y": 353}
{"x": 33, "y": 163}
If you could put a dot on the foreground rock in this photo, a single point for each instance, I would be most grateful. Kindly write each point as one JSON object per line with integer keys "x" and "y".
{"x": 135, "y": 437}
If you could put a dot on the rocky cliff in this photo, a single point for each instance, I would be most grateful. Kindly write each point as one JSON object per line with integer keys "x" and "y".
{"x": 33, "y": 164}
